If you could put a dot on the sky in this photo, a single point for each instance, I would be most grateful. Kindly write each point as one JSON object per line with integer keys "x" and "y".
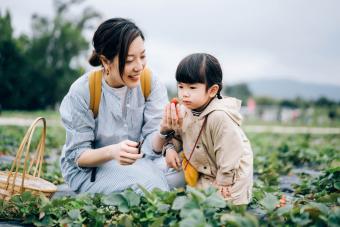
{"x": 272, "y": 39}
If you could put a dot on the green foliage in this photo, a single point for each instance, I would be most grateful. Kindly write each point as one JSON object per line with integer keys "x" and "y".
{"x": 11, "y": 137}
{"x": 240, "y": 91}
{"x": 37, "y": 71}
{"x": 325, "y": 188}
{"x": 193, "y": 207}
{"x": 313, "y": 202}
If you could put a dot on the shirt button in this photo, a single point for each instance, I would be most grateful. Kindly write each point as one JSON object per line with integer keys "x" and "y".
{"x": 204, "y": 167}
{"x": 197, "y": 146}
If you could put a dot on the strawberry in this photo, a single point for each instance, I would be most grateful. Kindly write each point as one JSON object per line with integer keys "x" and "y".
{"x": 174, "y": 101}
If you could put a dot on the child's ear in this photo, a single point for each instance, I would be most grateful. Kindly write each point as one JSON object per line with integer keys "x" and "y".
{"x": 213, "y": 90}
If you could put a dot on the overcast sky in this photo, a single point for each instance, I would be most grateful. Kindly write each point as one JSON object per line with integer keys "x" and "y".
{"x": 290, "y": 39}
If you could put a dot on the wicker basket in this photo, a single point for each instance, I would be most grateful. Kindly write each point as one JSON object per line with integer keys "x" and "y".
{"x": 15, "y": 182}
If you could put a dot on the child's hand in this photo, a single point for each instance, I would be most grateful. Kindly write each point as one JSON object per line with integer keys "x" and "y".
{"x": 225, "y": 191}
{"x": 172, "y": 117}
{"x": 172, "y": 159}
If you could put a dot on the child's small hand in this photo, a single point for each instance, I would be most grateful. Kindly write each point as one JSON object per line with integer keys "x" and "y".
{"x": 225, "y": 191}
{"x": 172, "y": 117}
{"x": 172, "y": 159}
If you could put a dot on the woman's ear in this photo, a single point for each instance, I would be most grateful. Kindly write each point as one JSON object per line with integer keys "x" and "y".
{"x": 213, "y": 90}
{"x": 104, "y": 61}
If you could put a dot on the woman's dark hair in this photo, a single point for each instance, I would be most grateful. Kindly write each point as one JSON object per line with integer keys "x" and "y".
{"x": 113, "y": 37}
{"x": 200, "y": 68}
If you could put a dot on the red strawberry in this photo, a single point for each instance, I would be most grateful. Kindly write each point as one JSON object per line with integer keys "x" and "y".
{"x": 174, "y": 101}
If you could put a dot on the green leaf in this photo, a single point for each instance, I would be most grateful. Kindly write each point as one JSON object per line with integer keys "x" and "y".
{"x": 337, "y": 185}
{"x": 284, "y": 210}
{"x": 146, "y": 193}
{"x": 333, "y": 170}
{"x": 188, "y": 208}
{"x": 235, "y": 219}
{"x": 163, "y": 208}
{"x": 179, "y": 202}
{"x": 269, "y": 202}
{"x": 125, "y": 220}
{"x": 210, "y": 190}
{"x": 302, "y": 219}
{"x": 158, "y": 222}
{"x": 113, "y": 199}
{"x": 116, "y": 199}
{"x": 26, "y": 196}
{"x": 193, "y": 217}
{"x": 197, "y": 195}
{"x": 132, "y": 197}
{"x": 315, "y": 208}
{"x": 74, "y": 214}
{"x": 215, "y": 201}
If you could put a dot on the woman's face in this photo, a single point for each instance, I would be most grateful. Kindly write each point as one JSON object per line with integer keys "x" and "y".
{"x": 134, "y": 65}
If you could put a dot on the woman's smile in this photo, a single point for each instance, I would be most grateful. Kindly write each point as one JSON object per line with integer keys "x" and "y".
{"x": 134, "y": 78}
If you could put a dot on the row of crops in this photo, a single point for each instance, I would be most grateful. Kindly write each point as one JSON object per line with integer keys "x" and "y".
{"x": 297, "y": 182}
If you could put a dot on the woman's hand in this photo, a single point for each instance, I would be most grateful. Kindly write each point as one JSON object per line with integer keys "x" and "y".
{"x": 126, "y": 152}
{"x": 172, "y": 118}
{"x": 172, "y": 159}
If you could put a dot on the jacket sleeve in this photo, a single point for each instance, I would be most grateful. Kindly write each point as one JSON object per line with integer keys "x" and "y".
{"x": 228, "y": 147}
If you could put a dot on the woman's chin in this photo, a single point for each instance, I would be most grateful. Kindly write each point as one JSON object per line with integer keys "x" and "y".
{"x": 132, "y": 83}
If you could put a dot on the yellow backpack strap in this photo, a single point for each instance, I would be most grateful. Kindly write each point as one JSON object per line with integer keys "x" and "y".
{"x": 95, "y": 84}
{"x": 145, "y": 82}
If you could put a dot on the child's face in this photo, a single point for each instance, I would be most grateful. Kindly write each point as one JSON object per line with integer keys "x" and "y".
{"x": 194, "y": 96}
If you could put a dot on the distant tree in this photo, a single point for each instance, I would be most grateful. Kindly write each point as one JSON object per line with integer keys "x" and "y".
{"x": 266, "y": 101}
{"x": 47, "y": 62}
{"x": 324, "y": 102}
{"x": 295, "y": 103}
{"x": 12, "y": 64}
{"x": 288, "y": 103}
{"x": 240, "y": 91}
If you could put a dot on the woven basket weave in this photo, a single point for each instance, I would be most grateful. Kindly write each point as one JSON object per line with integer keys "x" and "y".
{"x": 15, "y": 182}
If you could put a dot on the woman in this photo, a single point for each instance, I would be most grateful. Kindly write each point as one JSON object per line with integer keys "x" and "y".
{"x": 109, "y": 142}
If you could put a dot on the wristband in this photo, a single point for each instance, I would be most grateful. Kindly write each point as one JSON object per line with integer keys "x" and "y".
{"x": 167, "y": 135}
{"x": 166, "y": 147}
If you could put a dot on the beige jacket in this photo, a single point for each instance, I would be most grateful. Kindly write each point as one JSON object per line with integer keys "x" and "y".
{"x": 223, "y": 152}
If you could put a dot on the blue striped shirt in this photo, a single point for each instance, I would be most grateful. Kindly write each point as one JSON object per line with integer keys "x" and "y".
{"x": 117, "y": 120}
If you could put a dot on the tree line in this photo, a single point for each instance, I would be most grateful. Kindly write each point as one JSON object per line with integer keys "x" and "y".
{"x": 37, "y": 70}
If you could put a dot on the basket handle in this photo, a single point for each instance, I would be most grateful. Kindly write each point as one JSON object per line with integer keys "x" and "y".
{"x": 38, "y": 160}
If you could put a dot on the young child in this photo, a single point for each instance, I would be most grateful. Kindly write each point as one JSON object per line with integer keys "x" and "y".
{"x": 221, "y": 153}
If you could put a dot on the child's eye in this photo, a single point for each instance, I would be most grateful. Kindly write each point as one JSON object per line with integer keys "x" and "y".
{"x": 142, "y": 57}
{"x": 180, "y": 86}
{"x": 192, "y": 87}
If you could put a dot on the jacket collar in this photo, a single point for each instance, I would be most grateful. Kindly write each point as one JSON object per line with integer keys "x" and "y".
{"x": 229, "y": 105}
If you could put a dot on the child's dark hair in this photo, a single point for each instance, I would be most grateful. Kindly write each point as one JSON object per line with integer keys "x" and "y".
{"x": 113, "y": 37}
{"x": 200, "y": 68}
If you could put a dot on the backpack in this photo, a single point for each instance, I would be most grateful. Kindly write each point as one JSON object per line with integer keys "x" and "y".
{"x": 95, "y": 86}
